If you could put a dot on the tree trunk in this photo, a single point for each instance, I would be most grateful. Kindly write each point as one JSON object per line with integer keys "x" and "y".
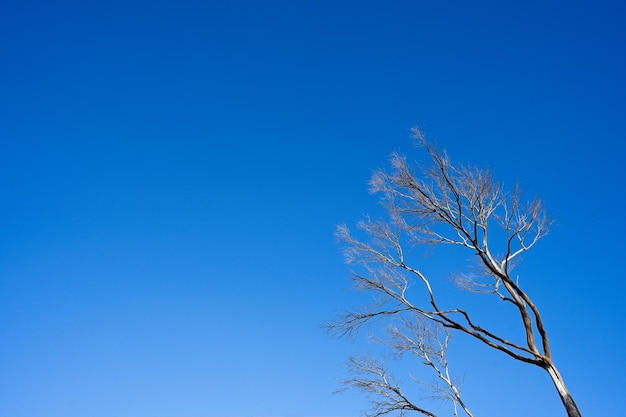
{"x": 566, "y": 397}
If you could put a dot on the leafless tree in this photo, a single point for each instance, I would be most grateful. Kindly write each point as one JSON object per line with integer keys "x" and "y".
{"x": 452, "y": 205}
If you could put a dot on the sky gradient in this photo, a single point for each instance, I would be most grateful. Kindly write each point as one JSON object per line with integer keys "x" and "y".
{"x": 172, "y": 174}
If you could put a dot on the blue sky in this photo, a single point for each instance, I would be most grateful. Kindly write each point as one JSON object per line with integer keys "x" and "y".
{"x": 172, "y": 173}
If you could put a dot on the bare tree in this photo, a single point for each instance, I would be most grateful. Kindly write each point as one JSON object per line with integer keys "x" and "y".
{"x": 451, "y": 205}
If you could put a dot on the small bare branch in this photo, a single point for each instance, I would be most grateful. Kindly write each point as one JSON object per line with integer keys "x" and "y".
{"x": 428, "y": 341}
{"x": 384, "y": 392}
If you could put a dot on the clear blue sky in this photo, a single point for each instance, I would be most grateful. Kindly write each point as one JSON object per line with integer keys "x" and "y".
{"x": 172, "y": 173}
